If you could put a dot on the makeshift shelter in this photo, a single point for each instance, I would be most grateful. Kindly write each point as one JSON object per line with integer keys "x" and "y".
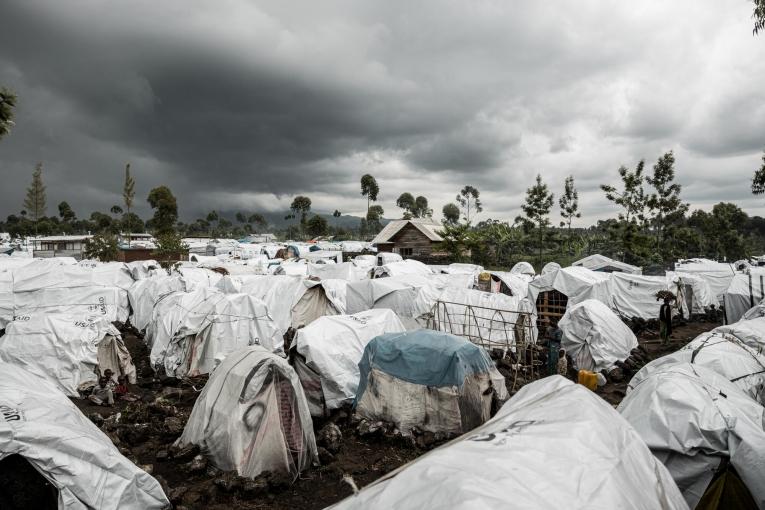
{"x": 722, "y": 353}
{"x": 252, "y": 417}
{"x": 511, "y": 284}
{"x": 145, "y": 293}
{"x": 550, "y": 292}
{"x": 743, "y": 293}
{"x": 326, "y": 355}
{"x": 706, "y": 431}
{"x": 717, "y": 274}
{"x": 385, "y": 257}
{"x": 427, "y": 379}
{"x": 345, "y": 271}
{"x": 751, "y": 332}
{"x": 68, "y": 351}
{"x": 42, "y": 425}
{"x": 550, "y": 267}
{"x": 555, "y": 444}
{"x": 403, "y": 268}
{"x": 190, "y": 332}
{"x": 595, "y": 337}
{"x": 523, "y": 268}
{"x": 605, "y": 264}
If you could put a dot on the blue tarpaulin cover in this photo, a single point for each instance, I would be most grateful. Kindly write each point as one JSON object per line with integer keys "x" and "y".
{"x": 423, "y": 356}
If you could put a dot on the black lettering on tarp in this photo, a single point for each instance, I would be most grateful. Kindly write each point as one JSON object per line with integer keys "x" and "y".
{"x": 10, "y": 414}
{"x": 512, "y": 429}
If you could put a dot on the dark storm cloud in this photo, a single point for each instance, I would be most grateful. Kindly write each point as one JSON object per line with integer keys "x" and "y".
{"x": 242, "y": 104}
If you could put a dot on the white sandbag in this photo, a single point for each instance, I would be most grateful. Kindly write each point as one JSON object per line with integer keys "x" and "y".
{"x": 41, "y": 424}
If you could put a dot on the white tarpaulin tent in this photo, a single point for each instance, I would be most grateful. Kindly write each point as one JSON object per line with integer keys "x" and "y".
{"x": 554, "y": 445}
{"x": 516, "y": 284}
{"x": 605, "y": 264}
{"x": 721, "y": 352}
{"x": 629, "y": 295}
{"x": 344, "y": 271}
{"x": 252, "y": 416}
{"x": 191, "y": 331}
{"x": 693, "y": 419}
{"x": 751, "y": 332}
{"x": 39, "y": 423}
{"x": 403, "y": 268}
{"x": 68, "y": 351}
{"x": 145, "y": 293}
{"x": 331, "y": 348}
{"x": 743, "y": 293}
{"x": 523, "y": 268}
{"x": 717, "y": 274}
{"x": 569, "y": 281}
{"x": 595, "y": 337}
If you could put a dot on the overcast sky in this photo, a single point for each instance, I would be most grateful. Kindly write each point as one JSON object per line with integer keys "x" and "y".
{"x": 240, "y": 105}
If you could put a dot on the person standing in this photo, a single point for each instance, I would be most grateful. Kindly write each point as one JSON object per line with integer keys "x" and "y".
{"x": 554, "y": 336}
{"x": 665, "y": 321}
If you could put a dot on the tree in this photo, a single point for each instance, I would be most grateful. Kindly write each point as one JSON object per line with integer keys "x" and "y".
{"x": 257, "y": 220}
{"x": 7, "y": 104}
{"x": 317, "y": 226}
{"x": 102, "y": 246}
{"x": 569, "y": 205}
{"x": 128, "y": 195}
{"x": 241, "y": 218}
{"x": 165, "y": 207}
{"x": 369, "y": 189}
{"x": 169, "y": 250}
{"x": 116, "y": 210}
{"x": 632, "y": 197}
{"x": 451, "y": 214}
{"x": 374, "y": 215}
{"x": 539, "y": 202}
{"x": 300, "y": 206}
{"x": 469, "y": 198}
{"x": 758, "y": 181}
{"x": 34, "y": 202}
{"x": 759, "y": 16}
{"x": 65, "y": 212}
{"x": 337, "y": 215}
{"x": 664, "y": 204}
{"x": 406, "y": 202}
{"x": 421, "y": 209}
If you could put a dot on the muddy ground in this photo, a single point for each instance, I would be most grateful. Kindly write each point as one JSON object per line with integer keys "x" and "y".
{"x": 145, "y": 431}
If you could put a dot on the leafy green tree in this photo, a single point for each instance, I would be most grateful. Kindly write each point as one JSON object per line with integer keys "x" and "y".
{"x": 241, "y": 218}
{"x": 116, "y": 210}
{"x": 569, "y": 206}
{"x": 131, "y": 222}
{"x": 7, "y": 104}
{"x": 128, "y": 196}
{"x": 759, "y": 16}
{"x": 539, "y": 202}
{"x": 469, "y": 199}
{"x": 317, "y": 226}
{"x": 451, "y": 214}
{"x": 720, "y": 228}
{"x": 664, "y": 203}
{"x": 162, "y": 200}
{"x": 374, "y": 215}
{"x": 66, "y": 213}
{"x": 421, "y": 208}
{"x": 406, "y": 202}
{"x": 369, "y": 189}
{"x": 103, "y": 246}
{"x": 758, "y": 181}
{"x": 34, "y": 202}
{"x": 337, "y": 215}
{"x": 300, "y": 206}
{"x": 170, "y": 249}
{"x": 632, "y": 196}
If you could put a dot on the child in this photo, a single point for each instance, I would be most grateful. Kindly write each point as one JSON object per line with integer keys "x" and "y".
{"x": 562, "y": 363}
{"x": 120, "y": 391}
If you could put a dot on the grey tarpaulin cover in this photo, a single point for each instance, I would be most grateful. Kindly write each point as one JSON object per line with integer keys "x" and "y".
{"x": 692, "y": 418}
{"x": 594, "y": 336}
{"x": 145, "y": 293}
{"x": 252, "y": 416}
{"x": 332, "y": 347}
{"x": 39, "y": 423}
{"x": 554, "y": 445}
{"x": 65, "y": 349}
{"x": 721, "y": 352}
{"x": 427, "y": 379}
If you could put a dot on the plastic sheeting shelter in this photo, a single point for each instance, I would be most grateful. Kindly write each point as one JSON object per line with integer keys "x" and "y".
{"x": 39, "y": 423}
{"x": 554, "y": 445}
{"x": 523, "y": 268}
{"x": 403, "y": 268}
{"x": 717, "y": 274}
{"x": 191, "y": 332}
{"x": 751, "y": 332}
{"x": 144, "y": 295}
{"x": 330, "y": 349}
{"x": 504, "y": 282}
{"x": 252, "y": 417}
{"x": 743, "y": 293}
{"x": 605, "y": 264}
{"x": 595, "y": 337}
{"x": 722, "y": 353}
{"x": 427, "y": 379}
{"x": 694, "y": 420}
{"x": 67, "y": 351}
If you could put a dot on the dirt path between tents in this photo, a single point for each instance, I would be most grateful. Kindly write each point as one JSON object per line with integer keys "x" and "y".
{"x": 145, "y": 431}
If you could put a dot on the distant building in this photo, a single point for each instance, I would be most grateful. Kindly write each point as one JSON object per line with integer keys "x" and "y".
{"x": 60, "y": 246}
{"x": 261, "y": 238}
{"x": 416, "y": 238}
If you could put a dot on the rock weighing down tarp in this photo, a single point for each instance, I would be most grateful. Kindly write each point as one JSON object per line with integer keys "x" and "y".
{"x": 330, "y": 349}
{"x": 595, "y": 337}
{"x": 252, "y": 416}
{"x": 66, "y": 350}
{"x": 427, "y": 379}
{"x": 554, "y": 445}
{"x": 39, "y": 423}
{"x": 693, "y": 420}
{"x": 721, "y": 352}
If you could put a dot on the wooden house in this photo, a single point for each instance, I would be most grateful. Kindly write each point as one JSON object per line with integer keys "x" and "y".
{"x": 416, "y": 238}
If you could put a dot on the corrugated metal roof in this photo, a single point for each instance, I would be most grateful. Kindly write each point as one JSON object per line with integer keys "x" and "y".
{"x": 428, "y": 227}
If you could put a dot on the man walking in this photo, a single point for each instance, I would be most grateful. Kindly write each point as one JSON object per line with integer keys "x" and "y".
{"x": 665, "y": 321}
